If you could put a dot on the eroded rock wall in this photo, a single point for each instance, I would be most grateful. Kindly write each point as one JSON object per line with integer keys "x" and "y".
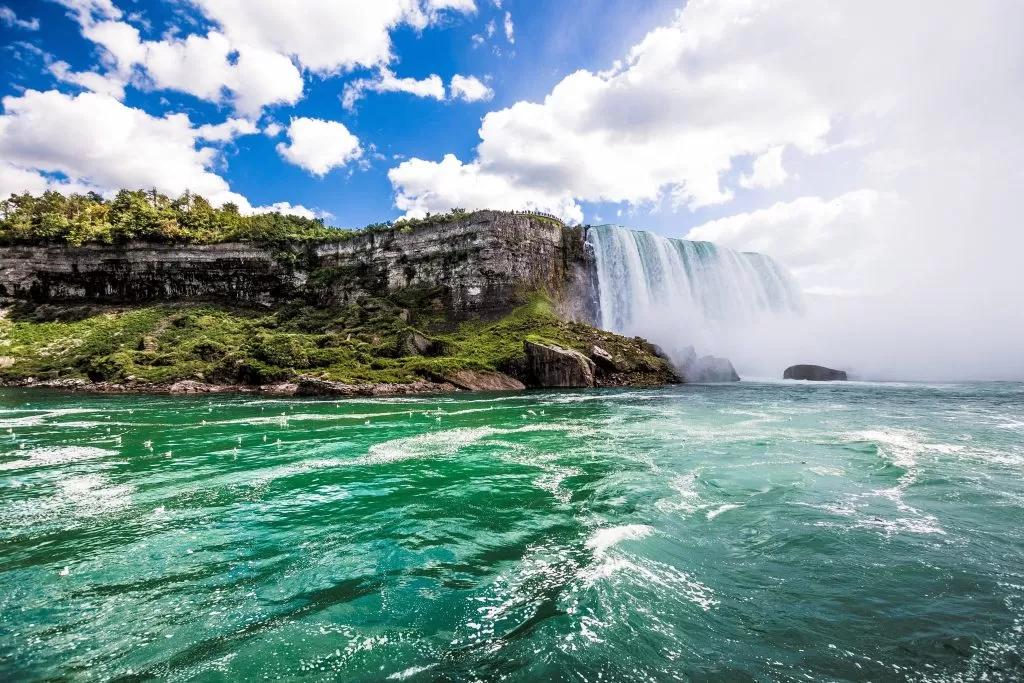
{"x": 483, "y": 265}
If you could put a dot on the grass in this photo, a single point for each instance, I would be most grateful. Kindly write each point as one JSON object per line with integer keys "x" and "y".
{"x": 364, "y": 342}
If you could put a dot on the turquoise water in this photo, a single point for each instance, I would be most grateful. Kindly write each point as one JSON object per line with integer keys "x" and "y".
{"x": 757, "y": 532}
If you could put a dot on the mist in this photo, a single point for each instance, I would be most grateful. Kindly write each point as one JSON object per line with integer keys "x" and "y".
{"x": 916, "y": 272}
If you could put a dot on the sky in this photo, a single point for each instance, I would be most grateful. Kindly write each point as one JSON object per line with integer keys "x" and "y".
{"x": 874, "y": 147}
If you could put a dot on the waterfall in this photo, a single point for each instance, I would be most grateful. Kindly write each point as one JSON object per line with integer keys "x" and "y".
{"x": 680, "y": 294}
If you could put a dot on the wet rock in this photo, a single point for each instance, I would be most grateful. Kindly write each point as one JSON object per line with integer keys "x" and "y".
{"x": 472, "y": 380}
{"x": 552, "y": 366}
{"x": 814, "y": 373}
{"x": 710, "y": 369}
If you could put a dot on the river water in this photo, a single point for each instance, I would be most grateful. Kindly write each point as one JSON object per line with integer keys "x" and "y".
{"x": 750, "y": 532}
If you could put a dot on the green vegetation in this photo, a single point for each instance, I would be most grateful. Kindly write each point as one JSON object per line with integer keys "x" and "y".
{"x": 366, "y": 342}
{"x": 148, "y": 215}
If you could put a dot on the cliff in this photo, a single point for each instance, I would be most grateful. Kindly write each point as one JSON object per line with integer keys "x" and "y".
{"x": 484, "y": 264}
{"x": 489, "y": 300}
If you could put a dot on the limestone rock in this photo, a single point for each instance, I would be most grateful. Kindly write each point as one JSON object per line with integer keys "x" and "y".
{"x": 552, "y": 366}
{"x": 604, "y": 361}
{"x": 814, "y": 373}
{"x": 418, "y": 344}
{"x": 472, "y": 380}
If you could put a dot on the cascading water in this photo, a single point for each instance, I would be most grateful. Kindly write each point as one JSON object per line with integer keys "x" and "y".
{"x": 679, "y": 293}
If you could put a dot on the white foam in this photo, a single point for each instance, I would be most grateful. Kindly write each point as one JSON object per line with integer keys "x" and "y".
{"x": 55, "y": 455}
{"x": 722, "y": 508}
{"x": 603, "y": 539}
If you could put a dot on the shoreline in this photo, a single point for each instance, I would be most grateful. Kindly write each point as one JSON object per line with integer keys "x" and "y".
{"x": 302, "y": 388}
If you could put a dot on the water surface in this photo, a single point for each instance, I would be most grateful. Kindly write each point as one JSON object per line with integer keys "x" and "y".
{"x": 757, "y": 532}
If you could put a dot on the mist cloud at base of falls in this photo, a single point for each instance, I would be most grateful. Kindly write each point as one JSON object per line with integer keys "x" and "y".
{"x": 678, "y": 293}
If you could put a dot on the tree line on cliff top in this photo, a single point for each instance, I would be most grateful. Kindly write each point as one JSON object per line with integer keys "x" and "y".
{"x": 146, "y": 215}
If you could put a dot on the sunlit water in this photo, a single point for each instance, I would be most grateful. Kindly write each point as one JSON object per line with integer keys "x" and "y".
{"x": 757, "y": 532}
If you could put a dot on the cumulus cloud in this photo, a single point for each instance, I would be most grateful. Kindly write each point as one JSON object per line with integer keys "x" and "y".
{"x": 226, "y": 131}
{"x": 768, "y": 170}
{"x": 385, "y": 81}
{"x": 435, "y": 188}
{"x": 10, "y": 18}
{"x": 108, "y": 84}
{"x": 509, "y": 28}
{"x": 325, "y": 36}
{"x": 470, "y": 89}
{"x": 94, "y": 142}
{"x": 254, "y": 55}
{"x": 664, "y": 124}
{"x": 319, "y": 146}
{"x": 208, "y": 67}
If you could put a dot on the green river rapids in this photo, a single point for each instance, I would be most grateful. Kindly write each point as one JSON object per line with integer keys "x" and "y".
{"x": 756, "y": 532}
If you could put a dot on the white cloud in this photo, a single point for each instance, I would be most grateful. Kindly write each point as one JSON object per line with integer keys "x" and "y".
{"x": 477, "y": 39}
{"x": 86, "y": 10}
{"x": 325, "y": 36}
{"x": 254, "y": 54}
{"x": 768, "y": 170}
{"x": 822, "y": 241}
{"x": 95, "y": 142}
{"x": 273, "y": 129}
{"x": 461, "y": 6}
{"x": 319, "y": 146}
{"x": 509, "y": 28}
{"x": 204, "y": 66}
{"x": 385, "y": 81}
{"x": 470, "y": 89}
{"x": 293, "y": 209}
{"x": 10, "y": 18}
{"x": 90, "y": 80}
{"x": 227, "y": 131}
{"x": 664, "y": 125}
{"x": 436, "y": 188}
{"x": 491, "y": 28}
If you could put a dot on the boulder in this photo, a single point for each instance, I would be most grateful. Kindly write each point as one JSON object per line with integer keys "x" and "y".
{"x": 709, "y": 369}
{"x": 472, "y": 380}
{"x": 603, "y": 360}
{"x": 418, "y": 344}
{"x": 549, "y": 365}
{"x": 814, "y": 373}
{"x": 188, "y": 386}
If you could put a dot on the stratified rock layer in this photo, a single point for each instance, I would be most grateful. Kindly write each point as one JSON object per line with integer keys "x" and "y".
{"x": 482, "y": 265}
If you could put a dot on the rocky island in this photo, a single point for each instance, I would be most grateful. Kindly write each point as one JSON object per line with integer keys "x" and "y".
{"x": 152, "y": 294}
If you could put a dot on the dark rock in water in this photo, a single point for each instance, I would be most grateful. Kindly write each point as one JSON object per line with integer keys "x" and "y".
{"x": 549, "y": 365}
{"x": 710, "y": 369}
{"x": 472, "y": 380}
{"x": 814, "y": 373}
{"x": 706, "y": 368}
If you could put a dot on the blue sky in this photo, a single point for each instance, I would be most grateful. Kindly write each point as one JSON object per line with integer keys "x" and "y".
{"x": 551, "y": 41}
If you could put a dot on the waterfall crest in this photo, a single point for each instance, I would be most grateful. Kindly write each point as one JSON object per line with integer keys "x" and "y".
{"x": 680, "y": 293}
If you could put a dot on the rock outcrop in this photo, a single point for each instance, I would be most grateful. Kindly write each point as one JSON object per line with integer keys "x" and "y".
{"x": 473, "y": 380}
{"x": 482, "y": 265}
{"x": 551, "y": 366}
{"x": 706, "y": 369}
{"x": 814, "y": 373}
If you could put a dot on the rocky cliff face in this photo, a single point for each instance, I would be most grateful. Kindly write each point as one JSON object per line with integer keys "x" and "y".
{"x": 480, "y": 266}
